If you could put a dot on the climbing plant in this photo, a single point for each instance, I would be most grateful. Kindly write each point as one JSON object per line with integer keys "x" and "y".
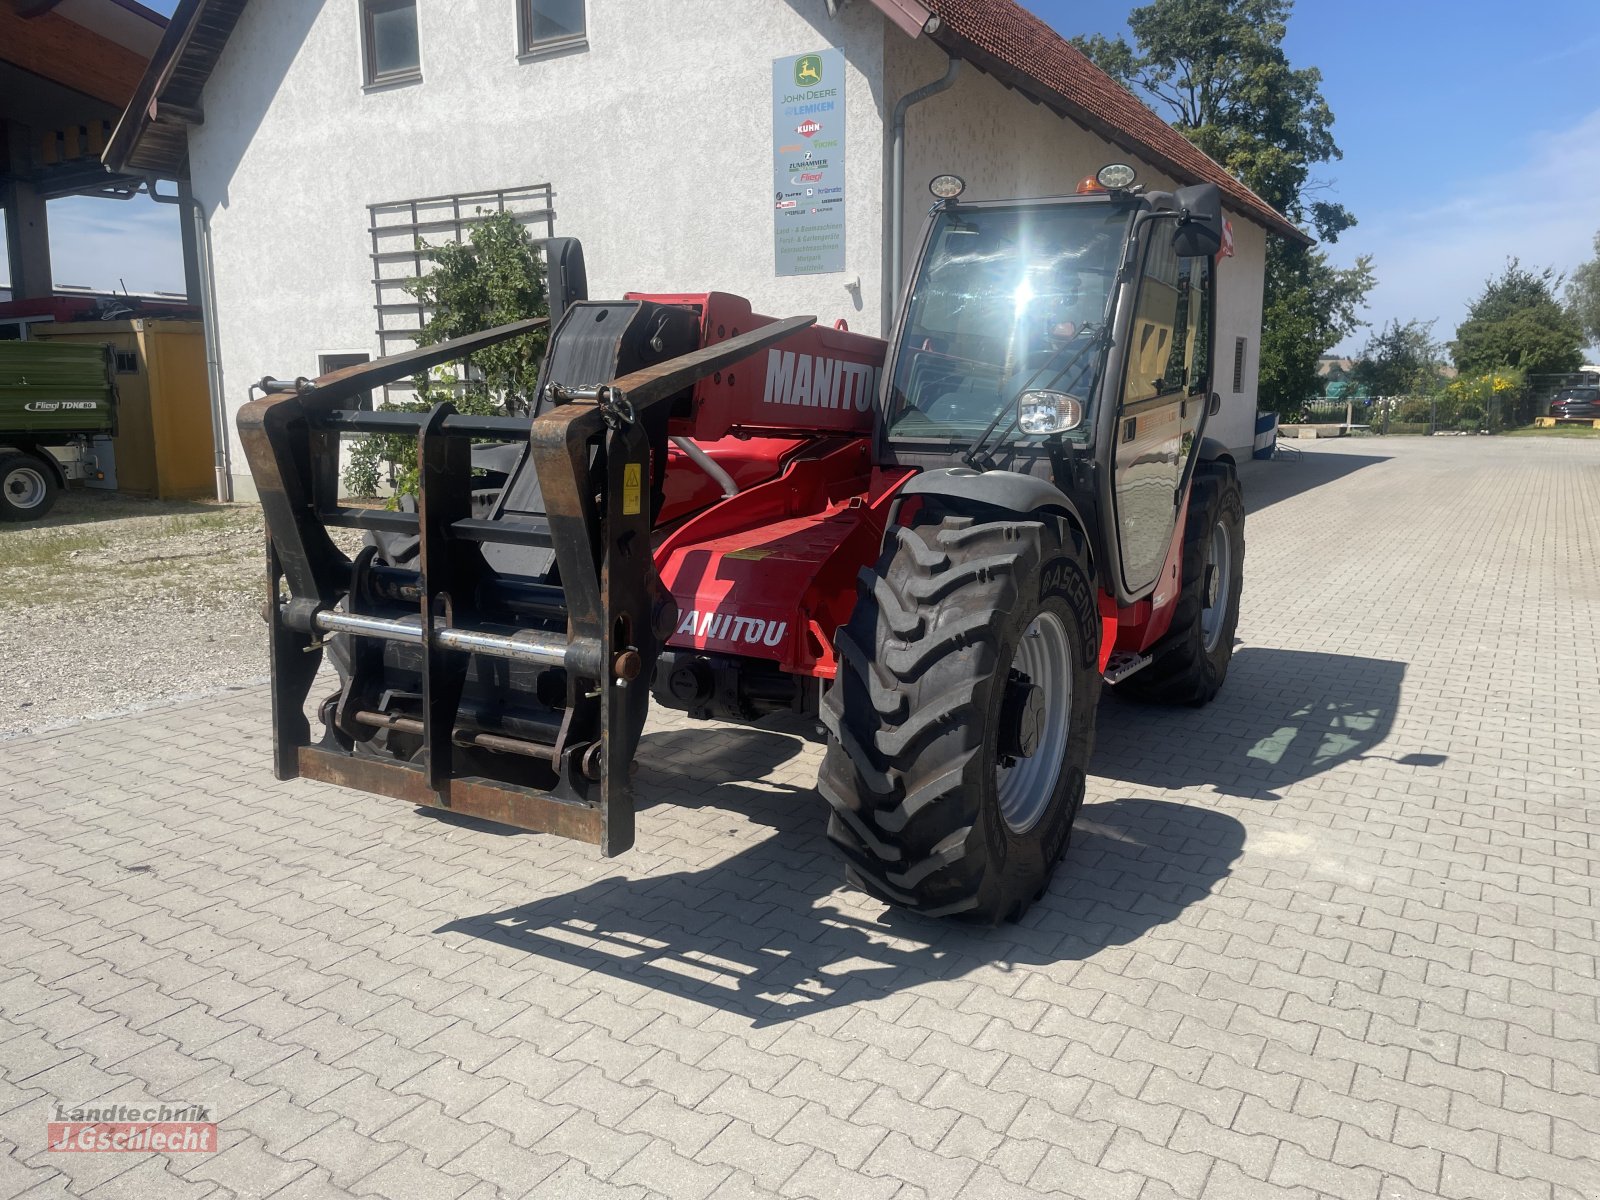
{"x": 493, "y": 277}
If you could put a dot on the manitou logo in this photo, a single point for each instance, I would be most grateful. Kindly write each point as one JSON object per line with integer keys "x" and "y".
{"x": 813, "y": 381}
{"x": 725, "y": 627}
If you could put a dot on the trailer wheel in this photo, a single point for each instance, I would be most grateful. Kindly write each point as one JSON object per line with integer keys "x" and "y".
{"x": 1191, "y": 662}
{"x": 962, "y": 718}
{"x": 28, "y": 488}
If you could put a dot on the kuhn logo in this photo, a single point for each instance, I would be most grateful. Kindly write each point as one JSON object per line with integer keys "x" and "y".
{"x": 808, "y": 128}
{"x": 814, "y": 381}
{"x": 725, "y": 627}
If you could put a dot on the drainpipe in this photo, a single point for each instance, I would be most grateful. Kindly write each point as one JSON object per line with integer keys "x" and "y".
{"x": 208, "y": 320}
{"x": 897, "y": 180}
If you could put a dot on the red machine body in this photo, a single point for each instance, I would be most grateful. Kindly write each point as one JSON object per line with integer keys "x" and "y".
{"x": 770, "y": 572}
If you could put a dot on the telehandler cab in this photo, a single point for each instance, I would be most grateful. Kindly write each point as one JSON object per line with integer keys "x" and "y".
{"x": 940, "y": 546}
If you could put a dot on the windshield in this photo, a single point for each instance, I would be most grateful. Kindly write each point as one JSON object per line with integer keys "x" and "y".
{"x": 1008, "y": 299}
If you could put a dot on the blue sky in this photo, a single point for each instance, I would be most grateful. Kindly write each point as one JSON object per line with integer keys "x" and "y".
{"x": 1470, "y": 131}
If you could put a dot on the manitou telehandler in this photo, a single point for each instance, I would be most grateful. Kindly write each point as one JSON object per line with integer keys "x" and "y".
{"x": 940, "y": 546}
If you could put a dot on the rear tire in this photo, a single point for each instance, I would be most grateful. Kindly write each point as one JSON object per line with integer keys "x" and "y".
{"x": 1189, "y": 665}
{"x": 28, "y": 487}
{"x": 928, "y": 699}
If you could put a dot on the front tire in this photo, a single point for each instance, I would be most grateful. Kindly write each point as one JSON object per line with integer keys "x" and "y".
{"x": 962, "y": 718}
{"x": 28, "y": 488}
{"x": 1188, "y": 666}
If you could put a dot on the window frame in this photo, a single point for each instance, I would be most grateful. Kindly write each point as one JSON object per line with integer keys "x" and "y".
{"x": 1241, "y": 353}
{"x": 528, "y": 49}
{"x": 370, "y": 76}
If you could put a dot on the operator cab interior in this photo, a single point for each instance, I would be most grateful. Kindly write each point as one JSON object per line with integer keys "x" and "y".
{"x": 1011, "y": 298}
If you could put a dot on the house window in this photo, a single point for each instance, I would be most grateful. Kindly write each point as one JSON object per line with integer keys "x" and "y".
{"x": 389, "y": 41}
{"x": 1238, "y": 365}
{"x": 127, "y": 362}
{"x": 329, "y": 363}
{"x": 546, "y": 25}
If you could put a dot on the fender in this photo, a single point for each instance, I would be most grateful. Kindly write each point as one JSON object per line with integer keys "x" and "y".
{"x": 999, "y": 489}
{"x": 1212, "y": 450}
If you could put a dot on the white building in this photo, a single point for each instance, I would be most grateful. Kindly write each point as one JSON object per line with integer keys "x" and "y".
{"x": 646, "y": 129}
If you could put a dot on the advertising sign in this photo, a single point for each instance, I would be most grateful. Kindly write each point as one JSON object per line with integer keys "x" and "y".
{"x": 808, "y": 163}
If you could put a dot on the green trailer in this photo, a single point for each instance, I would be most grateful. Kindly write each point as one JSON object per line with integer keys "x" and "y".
{"x": 56, "y": 398}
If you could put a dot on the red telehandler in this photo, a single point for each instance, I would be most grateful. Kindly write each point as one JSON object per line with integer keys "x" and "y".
{"x": 940, "y": 546}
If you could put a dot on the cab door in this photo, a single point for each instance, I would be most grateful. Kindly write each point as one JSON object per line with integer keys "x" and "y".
{"x": 1163, "y": 387}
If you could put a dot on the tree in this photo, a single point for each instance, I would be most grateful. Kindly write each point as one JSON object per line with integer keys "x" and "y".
{"x": 1517, "y": 322}
{"x": 1218, "y": 71}
{"x": 493, "y": 278}
{"x": 1310, "y": 305}
{"x": 1400, "y": 360}
{"x": 1583, "y": 295}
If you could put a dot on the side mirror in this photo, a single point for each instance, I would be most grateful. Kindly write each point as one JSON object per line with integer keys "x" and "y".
{"x": 1215, "y": 405}
{"x": 1199, "y": 232}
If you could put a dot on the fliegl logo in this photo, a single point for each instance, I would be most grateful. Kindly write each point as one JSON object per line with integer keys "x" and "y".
{"x": 808, "y": 70}
{"x": 727, "y": 627}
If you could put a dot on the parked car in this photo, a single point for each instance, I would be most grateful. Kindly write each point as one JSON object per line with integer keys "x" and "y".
{"x": 1576, "y": 402}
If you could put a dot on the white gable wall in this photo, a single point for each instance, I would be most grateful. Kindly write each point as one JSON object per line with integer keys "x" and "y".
{"x": 657, "y": 140}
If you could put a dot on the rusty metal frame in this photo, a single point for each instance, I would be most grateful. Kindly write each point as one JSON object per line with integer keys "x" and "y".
{"x": 593, "y": 460}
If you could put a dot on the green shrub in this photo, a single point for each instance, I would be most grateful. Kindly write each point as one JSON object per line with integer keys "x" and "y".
{"x": 493, "y": 278}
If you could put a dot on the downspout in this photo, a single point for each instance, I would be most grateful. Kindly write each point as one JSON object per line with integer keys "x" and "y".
{"x": 897, "y": 180}
{"x": 208, "y": 323}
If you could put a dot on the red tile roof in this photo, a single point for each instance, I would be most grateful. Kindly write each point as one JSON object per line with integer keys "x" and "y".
{"x": 1005, "y": 40}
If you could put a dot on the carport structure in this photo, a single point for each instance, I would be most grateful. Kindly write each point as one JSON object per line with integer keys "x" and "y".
{"x": 68, "y": 68}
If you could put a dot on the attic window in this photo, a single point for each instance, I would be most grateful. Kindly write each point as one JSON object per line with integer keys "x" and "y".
{"x": 549, "y": 26}
{"x": 389, "y": 44}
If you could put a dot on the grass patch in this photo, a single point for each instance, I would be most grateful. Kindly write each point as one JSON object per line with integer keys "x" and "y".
{"x": 45, "y": 549}
{"x": 1555, "y": 431}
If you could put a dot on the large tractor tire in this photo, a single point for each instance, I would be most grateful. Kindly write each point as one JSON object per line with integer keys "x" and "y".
{"x": 962, "y": 718}
{"x": 1190, "y": 663}
{"x": 28, "y": 487}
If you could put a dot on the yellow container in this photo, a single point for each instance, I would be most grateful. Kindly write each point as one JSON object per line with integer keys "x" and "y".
{"x": 163, "y": 444}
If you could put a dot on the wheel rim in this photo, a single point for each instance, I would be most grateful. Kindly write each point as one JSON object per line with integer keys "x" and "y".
{"x": 1025, "y": 788}
{"x": 1219, "y": 570}
{"x": 25, "y": 487}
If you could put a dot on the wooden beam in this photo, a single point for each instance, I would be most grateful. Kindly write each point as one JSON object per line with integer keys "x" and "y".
{"x": 35, "y": 8}
{"x": 67, "y": 53}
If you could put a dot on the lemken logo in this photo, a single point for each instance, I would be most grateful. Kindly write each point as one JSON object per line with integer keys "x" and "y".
{"x": 808, "y": 70}
{"x": 814, "y": 381}
{"x": 725, "y": 627}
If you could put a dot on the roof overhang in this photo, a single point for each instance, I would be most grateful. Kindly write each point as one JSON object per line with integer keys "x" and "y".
{"x": 152, "y": 138}
{"x": 1003, "y": 40}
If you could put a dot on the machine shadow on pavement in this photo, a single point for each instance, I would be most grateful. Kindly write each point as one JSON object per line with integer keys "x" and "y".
{"x": 1284, "y": 716}
{"x": 771, "y": 932}
{"x": 1266, "y": 482}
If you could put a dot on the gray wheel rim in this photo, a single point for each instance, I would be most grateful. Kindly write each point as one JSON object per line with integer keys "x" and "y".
{"x": 1219, "y": 563}
{"x": 1025, "y": 788}
{"x": 25, "y": 487}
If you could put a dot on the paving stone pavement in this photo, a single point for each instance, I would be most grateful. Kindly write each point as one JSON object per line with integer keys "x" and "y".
{"x": 1333, "y": 935}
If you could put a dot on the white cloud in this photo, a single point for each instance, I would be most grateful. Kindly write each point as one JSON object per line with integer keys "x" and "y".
{"x": 1432, "y": 259}
{"x": 109, "y": 244}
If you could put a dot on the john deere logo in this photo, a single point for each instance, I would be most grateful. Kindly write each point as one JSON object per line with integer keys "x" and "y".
{"x": 808, "y": 70}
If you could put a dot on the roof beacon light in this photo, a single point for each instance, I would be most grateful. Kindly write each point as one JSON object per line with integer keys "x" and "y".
{"x": 1114, "y": 177}
{"x": 947, "y": 187}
